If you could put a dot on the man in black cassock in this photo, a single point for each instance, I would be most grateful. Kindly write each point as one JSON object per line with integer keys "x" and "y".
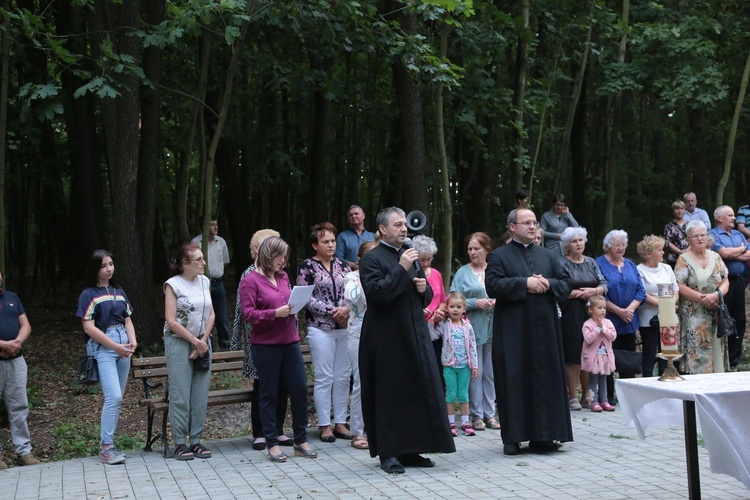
{"x": 527, "y": 354}
{"x": 403, "y": 403}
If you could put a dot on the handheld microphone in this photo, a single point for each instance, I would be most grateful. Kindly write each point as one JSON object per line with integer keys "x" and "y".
{"x": 417, "y": 265}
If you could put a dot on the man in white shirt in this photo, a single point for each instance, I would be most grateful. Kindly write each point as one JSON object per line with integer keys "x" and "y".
{"x": 692, "y": 212}
{"x": 218, "y": 257}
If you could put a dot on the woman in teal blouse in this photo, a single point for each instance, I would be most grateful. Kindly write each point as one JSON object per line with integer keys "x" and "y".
{"x": 469, "y": 280}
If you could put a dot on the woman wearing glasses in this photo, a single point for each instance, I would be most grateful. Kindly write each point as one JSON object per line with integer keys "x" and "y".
{"x": 624, "y": 295}
{"x": 189, "y": 318}
{"x": 555, "y": 222}
{"x": 700, "y": 272}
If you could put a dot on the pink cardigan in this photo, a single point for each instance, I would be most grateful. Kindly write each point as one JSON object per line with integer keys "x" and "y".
{"x": 592, "y": 338}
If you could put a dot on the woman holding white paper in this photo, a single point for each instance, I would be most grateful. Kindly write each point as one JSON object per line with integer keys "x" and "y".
{"x": 653, "y": 272}
{"x": 274, "y": 342}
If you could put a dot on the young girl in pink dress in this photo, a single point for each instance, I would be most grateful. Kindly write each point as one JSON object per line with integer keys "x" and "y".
{"x": 597, "y": 356}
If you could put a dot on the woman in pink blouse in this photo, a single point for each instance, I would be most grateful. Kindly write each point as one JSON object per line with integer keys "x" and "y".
{"x": 435, "y": 312}
{"x": 274, "y": 343}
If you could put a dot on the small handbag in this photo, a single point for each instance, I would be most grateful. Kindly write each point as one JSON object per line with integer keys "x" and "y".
{"x": 203, "y": 363}
{"x": 628, "y": 362}
{"x": 725, "y": 325}
{"x": 88, "y": 370}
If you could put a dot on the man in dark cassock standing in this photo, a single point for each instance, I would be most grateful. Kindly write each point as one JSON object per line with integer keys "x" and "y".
{"x": 527, "y": 354}
{"x": 402, "y": 397}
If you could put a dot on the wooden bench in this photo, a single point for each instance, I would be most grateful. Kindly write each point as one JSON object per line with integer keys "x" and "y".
{"x": 153, "y": 373}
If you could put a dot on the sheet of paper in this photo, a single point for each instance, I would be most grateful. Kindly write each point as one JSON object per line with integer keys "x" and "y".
{"x": 300, "y": 296}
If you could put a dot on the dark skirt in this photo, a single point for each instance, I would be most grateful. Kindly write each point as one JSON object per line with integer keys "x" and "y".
{"x": 574, "y": 315}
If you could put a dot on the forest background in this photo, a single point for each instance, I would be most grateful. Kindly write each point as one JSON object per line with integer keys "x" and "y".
{"x": 124, "y": 121}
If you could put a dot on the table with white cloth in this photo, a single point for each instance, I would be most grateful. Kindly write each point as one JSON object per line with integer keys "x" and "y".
{"x": 721, "y": 402}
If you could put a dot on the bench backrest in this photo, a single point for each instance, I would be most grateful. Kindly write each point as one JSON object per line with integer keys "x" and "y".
{"x": 224, "y": 361}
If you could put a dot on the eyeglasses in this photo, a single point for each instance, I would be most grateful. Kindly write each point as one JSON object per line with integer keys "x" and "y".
{"x": 702, "y": 236}
{"x": 528, "y": 223}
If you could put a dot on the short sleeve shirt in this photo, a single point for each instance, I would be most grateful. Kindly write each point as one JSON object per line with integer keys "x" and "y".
{"x": 105, "y": 305}
{"x": 10, "y": 309}
{"x": 193, "y": 303}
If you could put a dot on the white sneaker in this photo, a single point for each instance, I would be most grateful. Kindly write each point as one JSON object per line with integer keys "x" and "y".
{"x": 112, "y": 456}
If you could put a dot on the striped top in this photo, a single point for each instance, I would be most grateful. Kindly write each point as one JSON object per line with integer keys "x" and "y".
{"x": 105, "y": 305}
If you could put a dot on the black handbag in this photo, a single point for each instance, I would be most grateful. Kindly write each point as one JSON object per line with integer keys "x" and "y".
{"x": 725, "y": 325}
{"x": 628, "y": 362}
{"x": 203, "y": 363}
{"x": 88, "y": 370}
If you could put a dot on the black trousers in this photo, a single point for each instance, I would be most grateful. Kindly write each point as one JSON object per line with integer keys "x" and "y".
{"x": 277, "y": 365}
{"x": 651, "y": 338}
{"x": 281, "y": 406}
{"x": 735, "y": 301}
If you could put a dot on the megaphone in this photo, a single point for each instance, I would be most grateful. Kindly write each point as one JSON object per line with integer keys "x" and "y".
{"x": 416, "y": 221}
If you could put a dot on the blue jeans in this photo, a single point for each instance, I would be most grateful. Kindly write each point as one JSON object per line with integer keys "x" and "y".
{"x": 113, "y": 375}
{"x": 219, "y": 301}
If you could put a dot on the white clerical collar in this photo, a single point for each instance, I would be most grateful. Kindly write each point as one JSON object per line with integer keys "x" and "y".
{"x": 525, "y": 245}
{"x": 383, "y": 242}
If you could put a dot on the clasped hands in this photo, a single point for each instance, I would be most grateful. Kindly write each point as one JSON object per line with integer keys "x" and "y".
{"x": 9, "y": 349}
{"x": 200, "y": 348}
{"x": 536, "y": 283}
{"x": 709, "y": 300}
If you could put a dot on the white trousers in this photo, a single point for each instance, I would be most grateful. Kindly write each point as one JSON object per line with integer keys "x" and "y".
{"x": 330, "y": 358}
{"x": 356, "y": 421}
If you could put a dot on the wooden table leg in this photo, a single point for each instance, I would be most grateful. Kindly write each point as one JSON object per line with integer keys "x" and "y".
{"x": 691, "y": 450}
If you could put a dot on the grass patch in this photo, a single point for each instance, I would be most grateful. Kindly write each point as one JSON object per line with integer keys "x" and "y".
{"x": 618, "y": 436}
{"x": 77, "y": 440}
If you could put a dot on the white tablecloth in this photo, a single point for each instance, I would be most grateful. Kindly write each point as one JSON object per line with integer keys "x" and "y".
{"x": 722, "y": 403}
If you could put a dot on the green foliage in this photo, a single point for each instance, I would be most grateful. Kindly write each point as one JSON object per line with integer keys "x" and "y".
{"x": 76, "y": 440}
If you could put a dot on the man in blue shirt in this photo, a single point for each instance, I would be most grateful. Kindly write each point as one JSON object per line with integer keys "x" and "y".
{"x": 349, "y": 240}
{"x": 14, "y": 330}
{"x": 692, "y": 212}
{"x": 743, "y": 220}
{"x": 735, "y": 252}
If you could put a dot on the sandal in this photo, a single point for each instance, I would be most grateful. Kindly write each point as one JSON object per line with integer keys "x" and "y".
{"x": 360, "y": 443}
{"x": 492, "y": 423}
{"x": 200, "y": 451}
{"x": 183, "y": 453}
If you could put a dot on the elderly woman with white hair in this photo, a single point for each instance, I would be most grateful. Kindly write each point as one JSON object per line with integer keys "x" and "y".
{"x": 586, "y": 281}
{"x": 435, "y": 310}
{"x": 700, "y": 272}
{"x": 625, "y": 294}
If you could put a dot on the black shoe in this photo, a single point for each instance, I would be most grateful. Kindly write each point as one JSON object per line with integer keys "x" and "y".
{"x": 512, "y": 449}
{"x": 341, "y": 435}
{"x": 543, "y": 445}
{"x": 392, "y": 465}
{"x": 259, "y": 445}
{"x": 414, "y": 460}
{"x": 287, "y": 442}
{"x": 328, "y": 439}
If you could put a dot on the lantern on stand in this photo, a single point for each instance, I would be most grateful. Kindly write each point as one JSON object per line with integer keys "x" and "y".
{"x": 669, "y": 333}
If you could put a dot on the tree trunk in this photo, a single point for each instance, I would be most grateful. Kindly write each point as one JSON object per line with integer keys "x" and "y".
{"x": 733, "y": 134}
{"x": 411, "y": 141}
{"x": 522, "y": 58}
{"x": 445, "y": 191}
{"x": 613, "y": 123}
{"x": 4, "y": 83}
{"x": 220, "y": 121}
{"x": 121, "y": 121}
{"x": 562, "y": 152}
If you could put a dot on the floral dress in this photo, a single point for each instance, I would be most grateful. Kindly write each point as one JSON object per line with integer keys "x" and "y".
{"x": 703, "y": 351}
{"x": 675, "y": 234}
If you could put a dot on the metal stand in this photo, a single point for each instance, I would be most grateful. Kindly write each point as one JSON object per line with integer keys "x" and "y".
{"x": 670, "y": 372}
